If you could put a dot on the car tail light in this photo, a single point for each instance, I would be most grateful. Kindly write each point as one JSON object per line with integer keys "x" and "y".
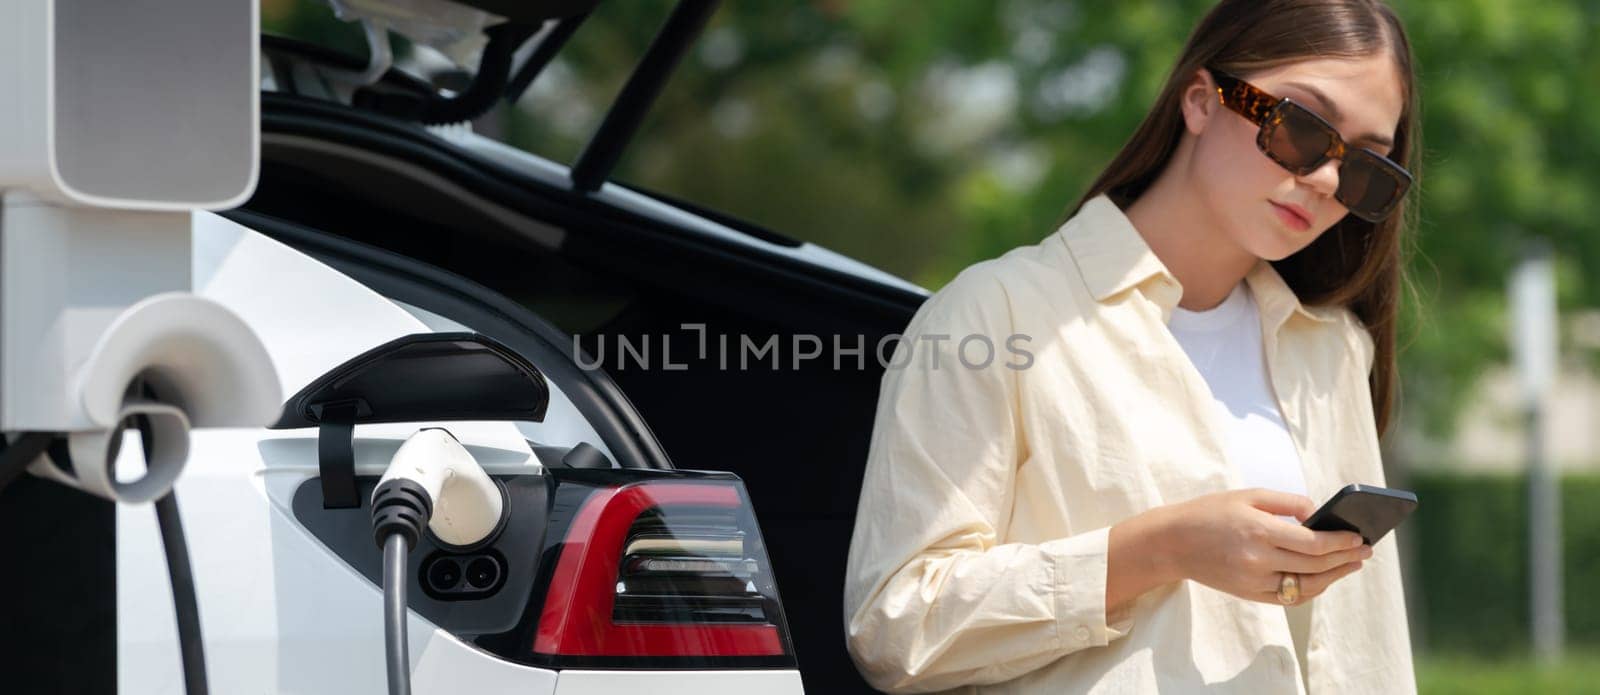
{"x": 664, "y": 568}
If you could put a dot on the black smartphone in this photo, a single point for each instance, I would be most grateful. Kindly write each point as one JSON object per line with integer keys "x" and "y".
{"x": 1369, "y": 510}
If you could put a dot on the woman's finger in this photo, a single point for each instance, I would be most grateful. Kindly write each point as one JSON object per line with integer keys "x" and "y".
{"x": 1267, "y": 597}
{"x": 1313, "y": 584}
{"x": 1308, "y": 542}
{"x": 1277, "y": 502}
{"x": 1301, "y": 563}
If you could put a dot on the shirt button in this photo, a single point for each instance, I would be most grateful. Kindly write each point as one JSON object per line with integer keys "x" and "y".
{"x": 1081, "y": 633}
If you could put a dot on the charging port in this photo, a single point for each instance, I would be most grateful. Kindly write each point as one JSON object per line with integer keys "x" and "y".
{"x": 462, "y": 577}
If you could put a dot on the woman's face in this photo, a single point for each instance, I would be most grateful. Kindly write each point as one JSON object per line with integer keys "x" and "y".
{"x": 1263, "y": 208}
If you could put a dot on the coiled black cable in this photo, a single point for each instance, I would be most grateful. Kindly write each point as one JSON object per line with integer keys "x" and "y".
{"x": 396, "y": 651}
{"x": 400, "y": 510}
{"x": 15, "y": 456}
{"x": 487, "y": 87}
{"x": 181, "y": 575}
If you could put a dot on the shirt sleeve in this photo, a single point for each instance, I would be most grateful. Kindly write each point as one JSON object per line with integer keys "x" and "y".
{"x": 932, "y": 599}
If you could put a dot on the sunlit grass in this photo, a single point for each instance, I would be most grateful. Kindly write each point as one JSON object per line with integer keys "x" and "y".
{"x": 1439, "y": 674}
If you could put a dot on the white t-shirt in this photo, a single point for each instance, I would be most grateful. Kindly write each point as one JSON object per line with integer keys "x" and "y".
{"x": 1224, "y": 343}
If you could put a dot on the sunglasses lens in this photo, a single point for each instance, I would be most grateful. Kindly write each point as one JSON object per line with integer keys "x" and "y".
{"x": 1298, "y": 139}
{"x": 1369, "y": 185}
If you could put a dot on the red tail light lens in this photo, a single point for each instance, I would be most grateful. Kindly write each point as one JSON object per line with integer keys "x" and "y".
{"x": 663, "y": 569}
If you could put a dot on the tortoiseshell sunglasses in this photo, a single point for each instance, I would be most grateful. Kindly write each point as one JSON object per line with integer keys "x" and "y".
{"x": 1370, "y": 184}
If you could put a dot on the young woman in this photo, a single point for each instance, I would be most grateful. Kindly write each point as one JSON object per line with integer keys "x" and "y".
{"x": 1198, "y": 357}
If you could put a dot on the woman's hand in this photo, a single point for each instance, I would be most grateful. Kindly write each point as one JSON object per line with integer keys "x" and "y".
{"x": 1234, "y": 541}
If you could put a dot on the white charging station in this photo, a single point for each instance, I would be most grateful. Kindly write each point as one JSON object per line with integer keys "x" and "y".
{"x": 121, "y": 120}
{"x": 118, "y": 122}
{"x": 121, "y": 124}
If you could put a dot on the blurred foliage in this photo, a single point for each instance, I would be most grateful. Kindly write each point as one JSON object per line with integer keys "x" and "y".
{"x": 923, "y": 136}
{"x": 1471, "y": 591}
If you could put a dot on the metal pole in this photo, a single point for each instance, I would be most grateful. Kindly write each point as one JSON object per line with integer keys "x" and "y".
{"x": 1544, "y": 529}
{"x": 1534, "y": 347}
{"x": 604, "y": 150}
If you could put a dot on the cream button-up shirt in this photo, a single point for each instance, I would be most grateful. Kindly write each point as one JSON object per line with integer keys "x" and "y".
{"x": 978, "y": 561}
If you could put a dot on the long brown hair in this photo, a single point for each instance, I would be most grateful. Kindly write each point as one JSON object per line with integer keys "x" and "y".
{"x": 1357, "y": 264}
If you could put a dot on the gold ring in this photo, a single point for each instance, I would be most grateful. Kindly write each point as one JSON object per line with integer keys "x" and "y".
{"x": 1289, "y": 588}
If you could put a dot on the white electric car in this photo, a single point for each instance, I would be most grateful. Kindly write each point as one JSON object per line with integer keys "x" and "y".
{"x": 679, "y": 502}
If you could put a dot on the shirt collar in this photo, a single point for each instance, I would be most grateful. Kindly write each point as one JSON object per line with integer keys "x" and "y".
{"x": 1112, "y": 257}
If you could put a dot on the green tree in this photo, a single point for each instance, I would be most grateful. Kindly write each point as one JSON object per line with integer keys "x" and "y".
{"x": 922, "y": 136}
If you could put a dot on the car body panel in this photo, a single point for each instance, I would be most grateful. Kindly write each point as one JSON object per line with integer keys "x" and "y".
{"x": 625, "y": 198}
{"x": 279, "y": 612}
{"x": 774, "y": 682}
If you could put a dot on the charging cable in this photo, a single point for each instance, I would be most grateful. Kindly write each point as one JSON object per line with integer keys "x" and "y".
{"x": 432, "y": 482}
{"x": 17, "y": 455}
